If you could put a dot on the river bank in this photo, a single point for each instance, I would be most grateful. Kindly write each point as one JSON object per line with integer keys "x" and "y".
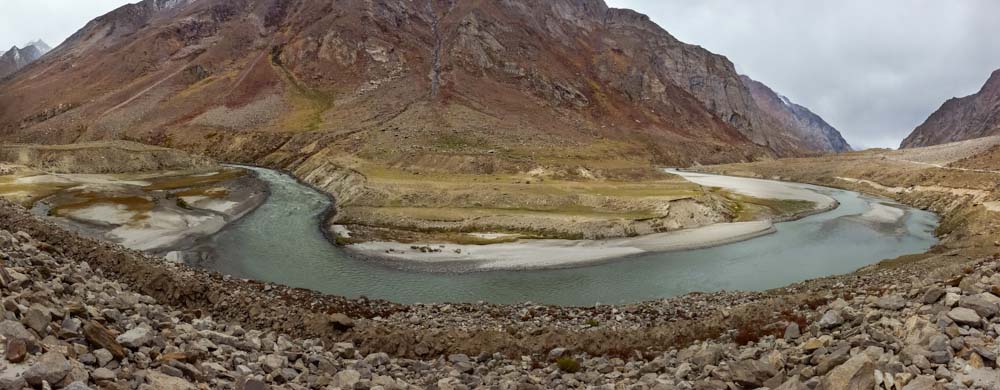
{"x": 91, "y": 189}
{"x": 553, "y": 254}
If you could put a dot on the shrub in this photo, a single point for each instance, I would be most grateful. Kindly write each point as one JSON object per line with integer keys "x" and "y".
{"x": 568, "y": 364}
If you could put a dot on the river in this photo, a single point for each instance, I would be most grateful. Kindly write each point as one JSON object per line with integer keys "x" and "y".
{"x": 281, "y": 242}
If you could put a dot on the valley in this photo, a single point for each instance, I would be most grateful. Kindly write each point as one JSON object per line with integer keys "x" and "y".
{"x": 369, "y": 194}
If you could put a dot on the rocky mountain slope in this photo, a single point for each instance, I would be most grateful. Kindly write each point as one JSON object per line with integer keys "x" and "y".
{"x": 16, "y": 58}
{"x": 793, "y": 128}
{"x": 461, "y": 86}
{"x": 973, "y": 116}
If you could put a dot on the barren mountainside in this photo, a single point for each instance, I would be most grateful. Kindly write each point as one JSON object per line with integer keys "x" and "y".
{"x": 958, "y": 119}
{"x": 793, "y": 128}
{"x": 440, "y": 85}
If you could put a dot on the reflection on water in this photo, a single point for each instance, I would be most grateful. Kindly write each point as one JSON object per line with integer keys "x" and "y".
{"x": 281, "y": 242}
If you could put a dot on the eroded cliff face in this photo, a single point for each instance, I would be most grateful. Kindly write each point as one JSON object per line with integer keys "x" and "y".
{"x": 790, "y": 128}
{"x": 958, "y": 119}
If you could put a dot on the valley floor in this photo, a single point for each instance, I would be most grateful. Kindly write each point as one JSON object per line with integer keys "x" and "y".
{"x": 80, "y": 310}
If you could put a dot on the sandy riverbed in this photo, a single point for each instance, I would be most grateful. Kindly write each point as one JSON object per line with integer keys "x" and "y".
{"x": 539, "y": 254}
{"x": 157, "y": 212}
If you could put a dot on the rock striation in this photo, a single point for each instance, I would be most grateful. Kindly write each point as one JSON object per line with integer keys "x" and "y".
{"x": 959, "y": 119}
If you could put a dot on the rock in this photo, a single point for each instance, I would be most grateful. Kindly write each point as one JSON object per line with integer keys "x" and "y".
{"x": 951, "y": 299}
{"x": 16, "y": 350}
{"x": 792, "y": 331}
{"x": 51, "y": 367}
{"x": 346, "y": 379}
{"x": 932, "y": 295}
{"x": 98, "y": 335}
{"x": 938, "y": 342}
{"x": 274, "y": 363}
{"x": 251, "y": 384}
{"x": 709, "y": 355}
{"x": 975, "y": 360}
{"x": 557, "y": 353}
{"x": 458, "y": 358}
{"x": 831, "y": 319}
{"x": 964, "y": 316}
{"x": 891, "y": 302}
{"x": 78, "y": 385}
{"x": 751, "y": 373}
{"x": 160, "y": 381}
{"x": 923, "y": 382}
{"x": 377, "y": 359}
{"x": 14, "y": 329}
{"x": 982, "y": 307}
{"x": 857, "y": 373}
{"x": 103, "y": 357}
{"x": 341, "y": 322}
{"x": 103, "y": 374}
{"x": 38, "y": 320}
{"x": 136, "y": 337}
{"x": 70, "y": 328}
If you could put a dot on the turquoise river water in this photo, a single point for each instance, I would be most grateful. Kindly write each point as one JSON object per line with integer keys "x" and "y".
{"x": 281, "y": 242}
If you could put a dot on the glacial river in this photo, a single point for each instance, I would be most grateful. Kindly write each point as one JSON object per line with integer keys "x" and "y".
{"x": 281, "y": 242}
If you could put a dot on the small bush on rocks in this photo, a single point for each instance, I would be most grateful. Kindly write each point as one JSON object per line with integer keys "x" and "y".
{"x": 568, "y": 364}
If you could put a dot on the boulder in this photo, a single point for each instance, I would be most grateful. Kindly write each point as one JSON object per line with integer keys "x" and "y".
{"x": 831, "y": 319}
{"x": 964, "y": 316}
{"x": 891, "y": 302}
{"x": 160, "y": 381}
{"x": 52, "y": 367}
{"x": 136, "y": 337}
{"x": 857, "y": 372}
{"x": 346, "y": 379}
{"x": 984, "y": 308}
{"x": 16, "y": 350}
{"x": 933, "y": 294}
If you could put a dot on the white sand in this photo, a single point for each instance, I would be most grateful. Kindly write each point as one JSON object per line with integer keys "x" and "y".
{"x": 530, "y": 254}
{"x": 79, "y": 179}
{"x": 759, "y": 188}
{"x": 206, "y": 203}
{"x": 165, "y": 228}
{"x": 104, "y": 214}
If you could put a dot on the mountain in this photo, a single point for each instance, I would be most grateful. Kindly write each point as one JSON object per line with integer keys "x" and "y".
{"x": 794, "y": 129}
{"x": 40, "y": 45}
{"x": 973, "y": 116}
{"x": 16, "y": 58}
{"x": 478, "y": 85}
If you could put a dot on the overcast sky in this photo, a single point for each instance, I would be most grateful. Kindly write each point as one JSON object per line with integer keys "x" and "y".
{"x": 873, "y": 69}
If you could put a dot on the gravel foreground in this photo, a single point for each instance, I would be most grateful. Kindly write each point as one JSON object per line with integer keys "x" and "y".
{"x": 77, "y": 320}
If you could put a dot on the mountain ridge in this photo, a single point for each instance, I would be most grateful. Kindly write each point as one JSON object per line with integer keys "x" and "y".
{"x": 570, "y": 74}
{"x": 961, "y": 118}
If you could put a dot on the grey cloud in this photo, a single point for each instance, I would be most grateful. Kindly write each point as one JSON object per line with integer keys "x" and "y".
{"x": 874, "y": 70}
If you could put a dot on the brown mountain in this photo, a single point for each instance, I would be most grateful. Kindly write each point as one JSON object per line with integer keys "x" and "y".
{"x": 793, "y": 129}
{"x": 474, "y": 85}
{"x": 958, "y": 119}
